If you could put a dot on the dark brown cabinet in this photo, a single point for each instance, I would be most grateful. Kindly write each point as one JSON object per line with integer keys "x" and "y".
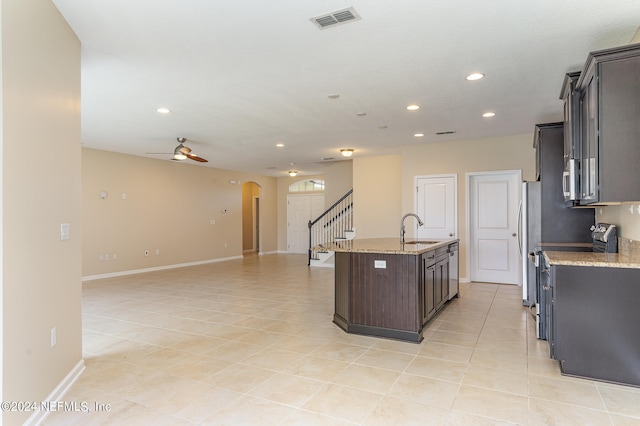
{"x": 609, "y": 93}
{"x": 594, "y": 322}
{"x": 571, "y": 157}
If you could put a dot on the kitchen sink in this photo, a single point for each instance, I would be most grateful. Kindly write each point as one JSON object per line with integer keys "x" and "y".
{"x": 422, "y": 242}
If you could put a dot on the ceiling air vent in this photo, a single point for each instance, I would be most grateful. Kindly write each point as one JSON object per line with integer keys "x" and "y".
{"x": 336, "y": 18}
{"x": 446, "y": 132}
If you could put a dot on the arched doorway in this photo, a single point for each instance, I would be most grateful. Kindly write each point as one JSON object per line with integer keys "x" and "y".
{"x": 251, "y": 217}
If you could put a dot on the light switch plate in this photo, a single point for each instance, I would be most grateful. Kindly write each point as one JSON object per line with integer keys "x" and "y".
{"x": 65, "y": 231}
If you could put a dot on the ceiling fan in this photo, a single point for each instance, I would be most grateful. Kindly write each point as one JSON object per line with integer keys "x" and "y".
{"x": 182, "y": 152}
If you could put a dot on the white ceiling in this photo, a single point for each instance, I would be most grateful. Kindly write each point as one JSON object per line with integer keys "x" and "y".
{"x": 240, "y": 76}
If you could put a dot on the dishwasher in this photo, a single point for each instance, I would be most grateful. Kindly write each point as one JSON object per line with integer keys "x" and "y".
{"x": 454, "y": 271}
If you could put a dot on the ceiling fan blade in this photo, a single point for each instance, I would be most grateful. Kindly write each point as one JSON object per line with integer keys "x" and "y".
{"x": 196, "y": 158}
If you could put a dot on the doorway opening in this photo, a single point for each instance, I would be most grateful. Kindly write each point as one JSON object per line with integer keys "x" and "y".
{"x": 251, "y": 217}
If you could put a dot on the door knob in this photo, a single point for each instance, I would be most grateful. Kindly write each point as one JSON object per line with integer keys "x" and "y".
{"x": 451, "y": 235}
{"x": 514, "y": 234}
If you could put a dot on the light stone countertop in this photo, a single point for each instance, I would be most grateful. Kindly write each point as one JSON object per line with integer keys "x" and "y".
{"x": 385, "y": 246}
{"x": 603, "y": 260}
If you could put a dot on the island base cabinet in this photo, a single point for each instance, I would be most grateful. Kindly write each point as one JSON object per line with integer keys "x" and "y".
{"x": 595, "y": 322}
{"x": 377, "y": 295}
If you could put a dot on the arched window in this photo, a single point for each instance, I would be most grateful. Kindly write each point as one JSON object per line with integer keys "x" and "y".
{"x": 309, "y": 185}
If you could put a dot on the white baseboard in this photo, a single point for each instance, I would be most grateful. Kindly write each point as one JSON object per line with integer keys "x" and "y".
{"x": 157, "y": 268}
{"x": 58, "y": 393}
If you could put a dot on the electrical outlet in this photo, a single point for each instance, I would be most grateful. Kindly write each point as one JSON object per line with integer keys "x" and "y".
{"x": 107, "y": 257}
{"x": 101, "y": 257}
{"x": 157, "y": 252}
{"x": 54, "y": 337}
{"x": 115, "y": 256}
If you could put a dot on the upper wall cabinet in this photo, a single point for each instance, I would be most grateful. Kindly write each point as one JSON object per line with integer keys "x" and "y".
{"x": 570, "y": 175}
{"x": 609, "y": 128}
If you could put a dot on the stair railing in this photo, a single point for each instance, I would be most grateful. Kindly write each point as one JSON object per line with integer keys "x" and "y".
{"x": 331, "y": 224}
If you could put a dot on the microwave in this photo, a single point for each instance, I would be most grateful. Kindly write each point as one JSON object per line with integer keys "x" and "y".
{"x": 570, "y": 181}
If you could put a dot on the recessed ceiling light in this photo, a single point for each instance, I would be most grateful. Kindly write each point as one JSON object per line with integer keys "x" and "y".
{"x": 475, "y": 76}
{"x": 489, "y": 114}
{"x": 361, "y": 114}
{"x": 279, "y": 145}
{"x": 163, "y": 110}
{"x": 413, "y": 107}
{"x": 418, "y": 135}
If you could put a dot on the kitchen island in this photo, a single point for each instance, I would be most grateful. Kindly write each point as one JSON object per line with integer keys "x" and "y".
{"x": 593, "y": 315}
{"x": 390, "y": 289}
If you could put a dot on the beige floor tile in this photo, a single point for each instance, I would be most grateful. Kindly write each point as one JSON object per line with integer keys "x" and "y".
{"x": 339, "y": 351}
{"x": 273, "y": 359}
{"x": 499, "y": 380}
{"x": 619, "y": 420}
{"x": 621, "y": 400}
{"x": 496, "y": 405}
{"x": 196, "y": 402}
{"x": 459, "y": 418}
{"x": 317, "y": 368}
{"x": 249, "y": 411}
{"x": 397, "y": 412}
{"x": 287, "y": 389}
{"x": 234, "y": 351}
{"x": 453, "y": 338}
{"x": 330, "y": 401}
{"x": 309, "y": 418}
{"x": 389, "y": 360}
{"x": 447, "y": 352}
{"x": 423, "y": 390}
{"x": 367, "y": 378}
{"x": 545, "y": 412}
{"x": 440, "y": 369}
{"x": 238, "y": 377}
{"x": 567, "y": 390}
{"x": 500, "y": 360}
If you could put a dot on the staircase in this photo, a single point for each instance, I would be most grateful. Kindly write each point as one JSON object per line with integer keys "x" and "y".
{"x": 335, "y": 224}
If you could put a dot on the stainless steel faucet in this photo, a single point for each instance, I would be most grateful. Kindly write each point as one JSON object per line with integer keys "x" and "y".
{"x": 420, "y": 223}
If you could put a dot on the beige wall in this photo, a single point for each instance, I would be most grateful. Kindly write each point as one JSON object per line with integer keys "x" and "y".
{"x": 626, "y": 217}
{"x": 338, "y": 180}
{"x": 168, "y": 207}
{"x": 41, "y": 286}
{"x": 377, "y": 196}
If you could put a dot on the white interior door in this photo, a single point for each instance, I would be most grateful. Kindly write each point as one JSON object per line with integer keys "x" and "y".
{"x": 493, "y": 226}
{"x": 436, "y": 204}
{"x": 300, "y": 210}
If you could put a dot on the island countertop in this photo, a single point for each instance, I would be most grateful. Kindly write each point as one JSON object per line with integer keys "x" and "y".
{"x": 387, "y": 245}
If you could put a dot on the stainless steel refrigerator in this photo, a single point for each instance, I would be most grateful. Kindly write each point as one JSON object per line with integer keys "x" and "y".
{"x": 530, "y": 238}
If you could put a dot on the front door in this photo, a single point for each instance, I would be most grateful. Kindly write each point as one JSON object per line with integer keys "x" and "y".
{"x": 493, "y": 226}
{"x": 436, "y": 205}
{"x": 300, "y": 210}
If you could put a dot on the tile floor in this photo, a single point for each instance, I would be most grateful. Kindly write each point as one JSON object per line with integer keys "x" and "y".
{"x": 251, "y": 342}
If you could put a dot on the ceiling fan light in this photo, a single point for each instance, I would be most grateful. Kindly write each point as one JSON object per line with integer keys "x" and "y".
{"x": 293, "y": 173}
{"x": 347, "y": 152}
{"x": 179, "y": 156}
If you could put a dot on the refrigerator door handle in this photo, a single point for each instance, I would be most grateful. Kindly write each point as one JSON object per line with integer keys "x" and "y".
{"x": 520, "y": 228}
